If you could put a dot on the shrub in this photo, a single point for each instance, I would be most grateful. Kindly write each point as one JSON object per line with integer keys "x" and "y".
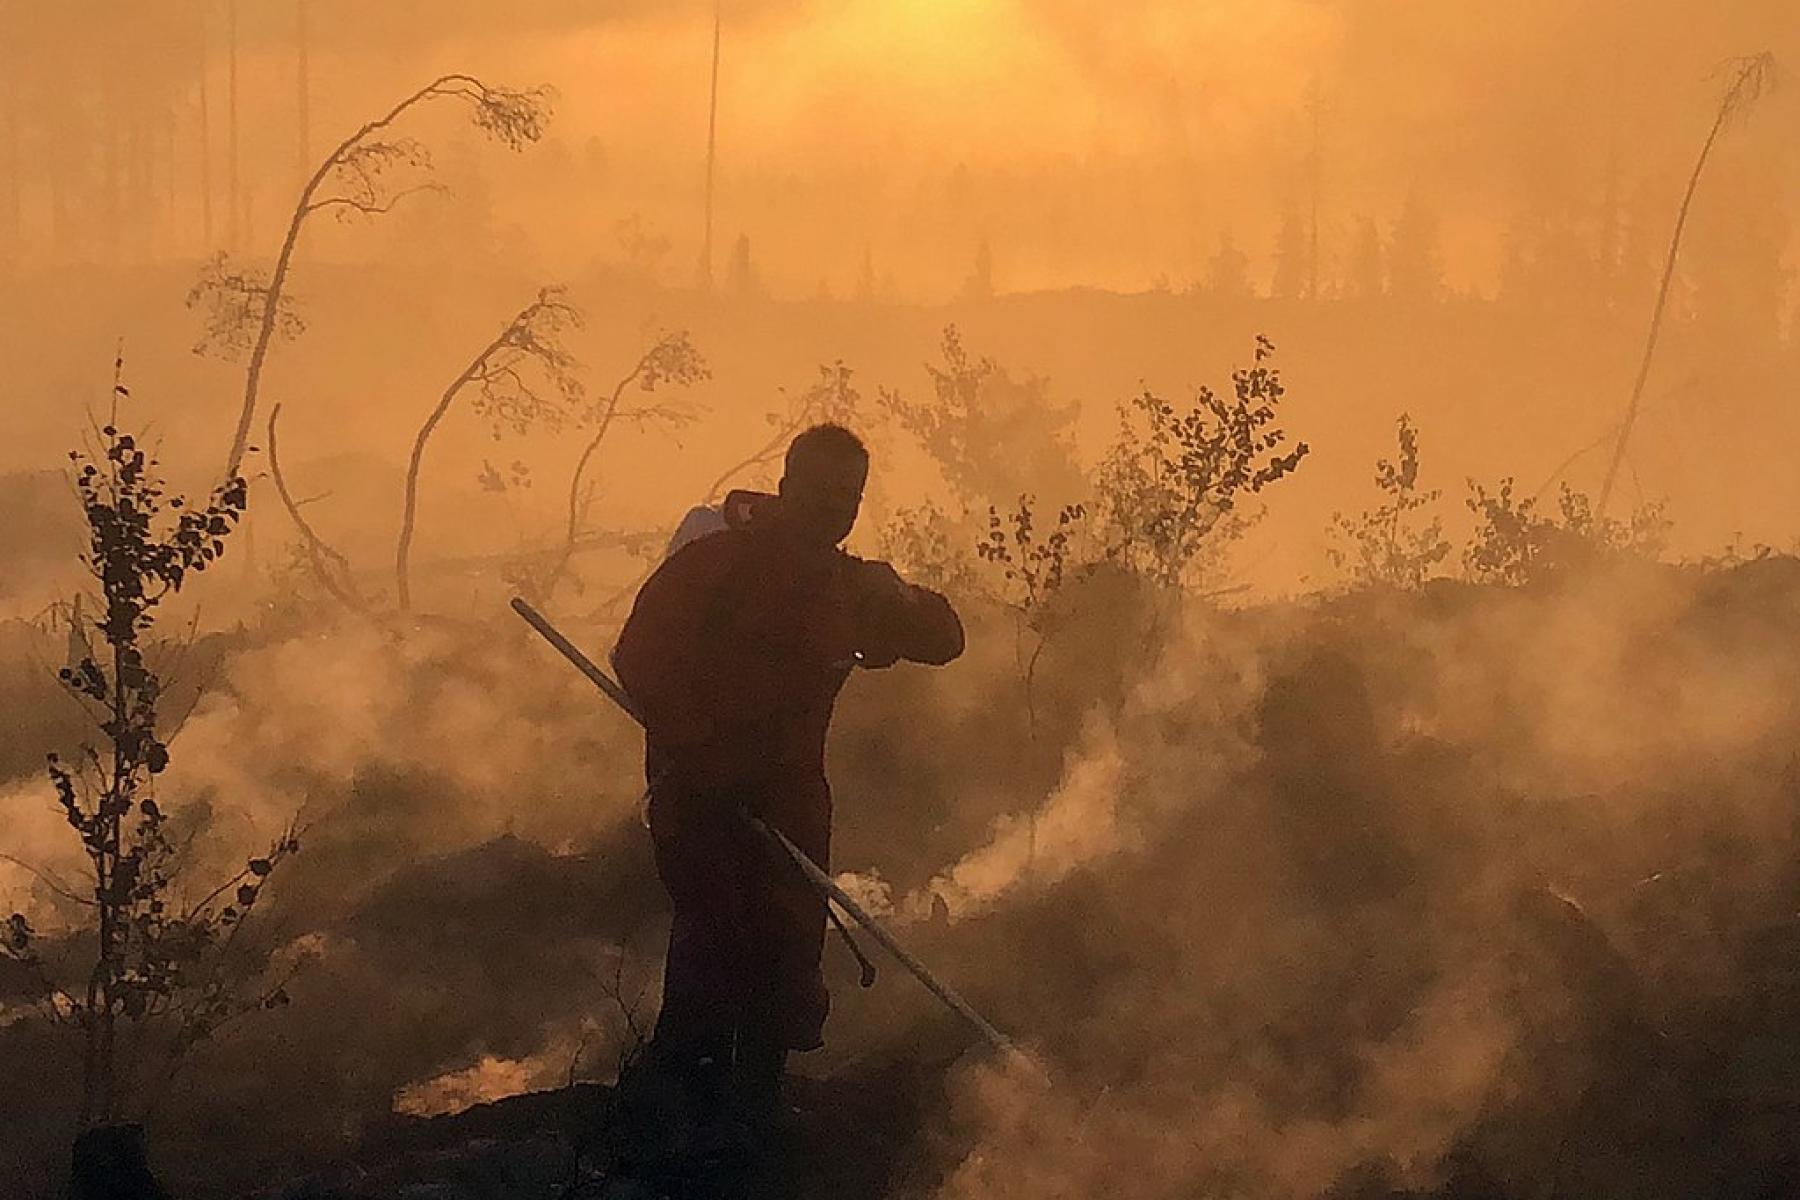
{"x": 1514, "y": 543}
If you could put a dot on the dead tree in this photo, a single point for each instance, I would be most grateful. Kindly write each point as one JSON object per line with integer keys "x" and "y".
{"x": 329, "y": 567}
{"x": 354, "y": 178}
{"x": 1750, "y": 77}
{"x": 523, "y": 377}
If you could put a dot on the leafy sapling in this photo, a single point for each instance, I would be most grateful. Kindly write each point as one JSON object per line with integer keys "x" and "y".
{"x": 1172, "y": 485}
{"x": 1392, "y": 545}
{"x": 152, "y": 964}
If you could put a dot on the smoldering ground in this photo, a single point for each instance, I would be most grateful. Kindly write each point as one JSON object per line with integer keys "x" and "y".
{"x": 1406, "y": 925}
{"x": 1374, "y": 891}
{"x": 1391, "y": 911}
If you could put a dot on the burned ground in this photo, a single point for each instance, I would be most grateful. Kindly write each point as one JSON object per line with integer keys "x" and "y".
{"x": 1326, "y": 898}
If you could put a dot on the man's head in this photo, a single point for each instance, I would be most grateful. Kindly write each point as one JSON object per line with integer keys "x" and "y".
{"x": 822, "y": 483}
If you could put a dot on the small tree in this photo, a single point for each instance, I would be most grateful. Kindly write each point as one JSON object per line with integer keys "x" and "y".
{"x": 1228, "y": 271}
{"x": 980, "y": 283}
{"x": 153, "y": 961}
{"x": 1031, "y": 570}
{"x": 523, "y": 377}
{"x": 247, "y": 309}
{"x": 991, "y": 435}
{"x": 1384, "y": 546}
{"x": 1172, "y": 481}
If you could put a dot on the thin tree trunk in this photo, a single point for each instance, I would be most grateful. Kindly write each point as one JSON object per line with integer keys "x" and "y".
{"x": 140, "y": 194}
{"x": 206, "y": 206}
{"x": 11, "y": 199}
{"x": 59, "y": 201}
{"x": 712, "y": 126}
{"x": 265, "y": 334}
{"x": 321, "y": 556}
{"x": 303, "y": 82}
{"x": 410, "y": 505}
{"x": 10, "y": 184}
{"x": 171, "y": 192}
{"x": 234, "y": 212}
{"x": 1314, "y": 104}
{"x": 1656, "y": 319}
{"x": 109, "y": 164}
{"x": 1745, "y": 84}
{"x": 572, "y": 531}
{"x": 588, "y": 451}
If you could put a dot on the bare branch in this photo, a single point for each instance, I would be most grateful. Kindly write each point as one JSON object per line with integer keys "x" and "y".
{"x": 330, "y": 568}
{"x": 49, "y": 880}
{"x": 373, "y": 207}
{"x": 671, "y": 359}
{"x": 234, "y": 299}
{"x": 505, "y": 395}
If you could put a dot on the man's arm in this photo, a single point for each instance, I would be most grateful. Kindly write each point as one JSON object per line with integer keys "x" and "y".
{"x": 899, "y": 620}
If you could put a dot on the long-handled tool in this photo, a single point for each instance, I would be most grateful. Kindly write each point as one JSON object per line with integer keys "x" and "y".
{"x": 813, "y": 873}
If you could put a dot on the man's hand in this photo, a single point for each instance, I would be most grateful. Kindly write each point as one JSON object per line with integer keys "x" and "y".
{"x": 886, "y": 600}
{"x": 900, "y": 620}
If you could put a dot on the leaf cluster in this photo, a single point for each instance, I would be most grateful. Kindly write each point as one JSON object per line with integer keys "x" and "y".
{"x": 363, "y": 174}
{"x": 671, "y": 361}
{"x": 928, "y": 546}
{"x": 989, "y": 433}
{"x": 1173, "y": 476}
{"x": 514, "y": 117}
{"x": 1031, "y": 568}
{"x": 831, "y": 399}
{"x": 528, "y": 376}
{"x": 232, "y": 300}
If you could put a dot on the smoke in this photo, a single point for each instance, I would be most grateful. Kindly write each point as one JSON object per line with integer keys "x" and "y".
{"x": 1420, "y": 1090}
{"x": 1076, "y": 824}
{"x": 498, "y": 739}
{"x": 1340, "y": 891}
{"x": 1318, "y": 893}
{"x": 341, "y": 25}
{"x": 1321, "y": 891}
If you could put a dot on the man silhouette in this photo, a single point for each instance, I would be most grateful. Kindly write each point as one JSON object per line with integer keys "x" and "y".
{"x": 735, "y": 651}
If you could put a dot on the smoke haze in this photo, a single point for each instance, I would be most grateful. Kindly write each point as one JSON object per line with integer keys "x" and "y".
{"x": 1473, "y": 878}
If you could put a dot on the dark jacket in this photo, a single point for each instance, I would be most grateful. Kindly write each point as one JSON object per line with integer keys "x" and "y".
{"x": 738, "y": 645}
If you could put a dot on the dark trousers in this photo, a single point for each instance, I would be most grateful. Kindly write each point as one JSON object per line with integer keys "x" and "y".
{"x": 747, "y": 930}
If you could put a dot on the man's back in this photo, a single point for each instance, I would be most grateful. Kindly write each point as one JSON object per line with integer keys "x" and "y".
{"x": 738, "y": 645}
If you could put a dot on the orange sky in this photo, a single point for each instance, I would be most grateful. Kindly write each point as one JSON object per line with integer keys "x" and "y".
{"x": 1101, "y": 144}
